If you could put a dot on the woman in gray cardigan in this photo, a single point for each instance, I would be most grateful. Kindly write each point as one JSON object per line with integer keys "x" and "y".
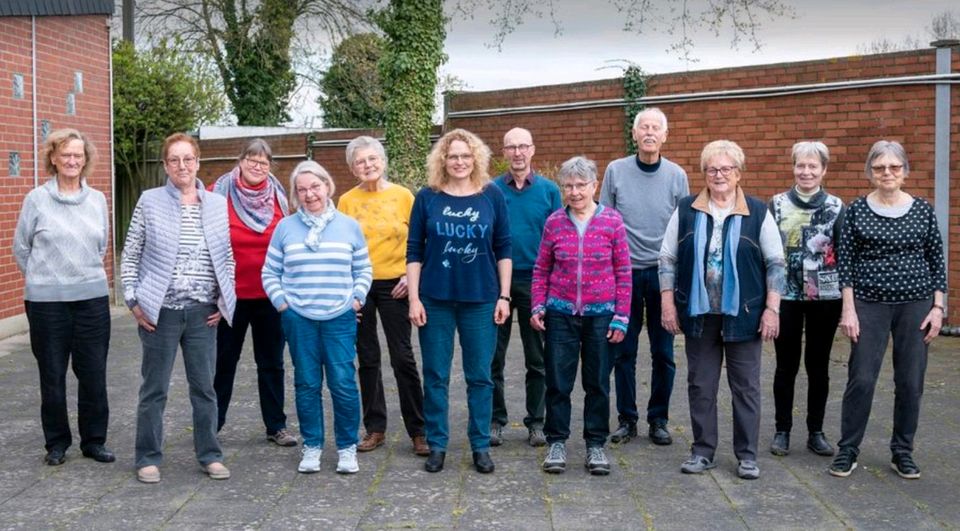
{"x": 60, "y": 241}
{"x": 177, "y": 271}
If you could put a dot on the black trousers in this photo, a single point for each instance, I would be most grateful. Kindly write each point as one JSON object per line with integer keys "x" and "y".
{"x": 268, "y": 341}
{"x": 396, "y": 327}
{"x": 59, "y": 332}
{"x": 819, "y": 320}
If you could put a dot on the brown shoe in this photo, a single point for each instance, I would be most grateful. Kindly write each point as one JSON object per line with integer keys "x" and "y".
{"x": 371, "y": 441}
{"x": 420, "y": 446}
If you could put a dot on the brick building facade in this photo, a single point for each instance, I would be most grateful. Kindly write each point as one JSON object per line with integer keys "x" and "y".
{"x": 54, "y": 73}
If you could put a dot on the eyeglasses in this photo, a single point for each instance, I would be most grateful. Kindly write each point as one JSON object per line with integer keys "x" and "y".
{"x": 187, "y": 162}
{"x": 519, "y": 148}
{"x": 722, "y": 170}
{"x": 881, "y": 169}
{"x": 464, "y": 157}
{"x": 262, "y": 164}
{"x": 369, "y": 161}
{"x": 316, "y": 188}
{"x": 579, "y": 187}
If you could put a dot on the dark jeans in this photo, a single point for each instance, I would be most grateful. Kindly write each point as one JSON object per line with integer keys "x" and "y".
{"x": 394, "y": 313}
{"x": 877, "y": 321}
{"x": 188, "y": 330}
{"x": 821, "y": 319}
{"x": 570, "y": 339}
{"x": 79, "y": 330}
{"x": 646, "y": 293}
{"x": 532, "y": 356}
{"x": 705, "y": 357}
{"x": 264, "y": 322}
{"x": 473, "y": 322}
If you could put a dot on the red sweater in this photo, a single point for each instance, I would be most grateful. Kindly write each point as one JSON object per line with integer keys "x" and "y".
{"x": 250, "y": 250}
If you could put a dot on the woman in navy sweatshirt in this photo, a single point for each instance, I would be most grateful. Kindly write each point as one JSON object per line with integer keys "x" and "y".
{"x": 459, "y": 241}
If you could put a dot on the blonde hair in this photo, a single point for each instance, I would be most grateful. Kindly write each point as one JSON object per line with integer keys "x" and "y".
{"x": 57, "y": 139}
{"x": 437, "y": 159}
{"x": 722, "y": 147}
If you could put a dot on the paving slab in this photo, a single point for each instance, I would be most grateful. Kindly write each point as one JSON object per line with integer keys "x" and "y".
{"x": 645, "y": 489}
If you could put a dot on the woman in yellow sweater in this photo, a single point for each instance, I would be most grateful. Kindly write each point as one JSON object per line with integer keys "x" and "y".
{"x": 383, "y": 211}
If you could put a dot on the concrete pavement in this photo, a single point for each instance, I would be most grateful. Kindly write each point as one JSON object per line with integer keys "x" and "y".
{"x": 644, "y": 491}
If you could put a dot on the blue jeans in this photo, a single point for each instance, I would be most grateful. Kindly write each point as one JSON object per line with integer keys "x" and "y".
{"x": 318, "y": 348}
{"x": 478, "y": 339}
{"x": 571, "y": 338}
{"x": 187, "y": 329}
{"x": 646, "y": 293}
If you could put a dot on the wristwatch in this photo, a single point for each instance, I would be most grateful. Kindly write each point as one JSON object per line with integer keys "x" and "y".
{"x": 505, "y": 298}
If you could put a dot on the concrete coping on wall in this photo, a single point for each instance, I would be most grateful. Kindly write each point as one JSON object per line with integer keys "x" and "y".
{"x": 758, "y": 92}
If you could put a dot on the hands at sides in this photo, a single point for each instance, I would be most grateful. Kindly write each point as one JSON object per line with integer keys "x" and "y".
{"x": 614, "y": 335}
{"x": 769, "y": 324}
{"x": 536, "y": 321}
{"x": 213, "y": 319}
{"x": 850, "y": 323}
{"x": 668, "y": 312}
{"x": 400, "y": 290}
{"x": 142, "y": 320}
{"x": 418, "y": 315}
{"x": 932, "y": 324}
{"x": 501, "y": 312}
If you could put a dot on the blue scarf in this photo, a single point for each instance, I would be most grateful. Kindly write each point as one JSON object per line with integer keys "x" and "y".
{"x": 316, "y": 223}
{"x": 699, "y": 300}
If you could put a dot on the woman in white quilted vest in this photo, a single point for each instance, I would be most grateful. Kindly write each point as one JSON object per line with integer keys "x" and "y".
{"x": 177, "y": 270}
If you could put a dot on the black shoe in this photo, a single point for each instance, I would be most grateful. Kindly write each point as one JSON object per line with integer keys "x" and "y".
{"x": 99, "y": 453}
{"x": 844, "y": 463}
{"x": 482, "y": 462}
{"x": 624, "y": 433}
{"x": 659, "y": 434}
{"x": 817, "y": 443}
{"x": 781, "y": 443}
{"x": 434, "y": 461}
{"x": 55, "y": 457}
{"x": 904, "y": 466}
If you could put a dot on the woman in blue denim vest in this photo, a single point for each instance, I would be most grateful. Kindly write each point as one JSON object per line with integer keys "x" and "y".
{"x": 721, "y": 275}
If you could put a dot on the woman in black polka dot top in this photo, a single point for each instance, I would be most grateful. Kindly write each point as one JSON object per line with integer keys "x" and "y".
{"x": 893, "y": 279}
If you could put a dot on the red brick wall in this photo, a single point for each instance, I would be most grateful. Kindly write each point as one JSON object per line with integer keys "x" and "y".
{"x": 64, "y": 45}
{"x": 848, "y": 121}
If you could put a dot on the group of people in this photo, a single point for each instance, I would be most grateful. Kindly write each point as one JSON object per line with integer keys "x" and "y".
{"x": 200, "y": 266}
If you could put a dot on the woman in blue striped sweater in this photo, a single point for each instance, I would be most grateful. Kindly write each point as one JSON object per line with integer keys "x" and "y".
{"x": 317, "y": 274}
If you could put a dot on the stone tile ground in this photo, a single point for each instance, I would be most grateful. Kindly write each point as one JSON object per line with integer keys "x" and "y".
{"x": 644, "y": 491}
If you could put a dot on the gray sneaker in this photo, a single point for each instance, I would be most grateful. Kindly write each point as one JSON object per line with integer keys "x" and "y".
{"x": 496, "y": 434}
{"x": 536, "y": 437}
{"x": 556, "y": 460}
{"x": 748, "y": 469}
{"x": 282, "y": 438}
{"x": 697, "y": 464}
{"x": 597, "y": 463}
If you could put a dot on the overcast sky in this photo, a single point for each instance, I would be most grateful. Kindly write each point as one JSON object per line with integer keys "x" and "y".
{"x": 593, "y": 42}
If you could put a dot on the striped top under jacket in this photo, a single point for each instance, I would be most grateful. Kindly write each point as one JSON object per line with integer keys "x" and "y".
{"x": 318, "y": 284}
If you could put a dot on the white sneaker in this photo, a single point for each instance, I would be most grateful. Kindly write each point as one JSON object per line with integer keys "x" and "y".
{"x": 310, "y": 462}
{"x": 348, "y": 460}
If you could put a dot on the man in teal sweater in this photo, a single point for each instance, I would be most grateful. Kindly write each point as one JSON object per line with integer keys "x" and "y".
{"x": 530, "y": 198}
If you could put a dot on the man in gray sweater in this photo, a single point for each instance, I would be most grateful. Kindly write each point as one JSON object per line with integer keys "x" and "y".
{"x": 645, "y": 188}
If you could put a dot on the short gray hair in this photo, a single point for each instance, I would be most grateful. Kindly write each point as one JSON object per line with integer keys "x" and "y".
{"x": 651, "y": 110}
{"x": 886, "y": 147}
{"x": 311, "y": 167}
{"x": 362, "y": 142}
{"x": 811, "y": 149}
{"x": 578, "y": 166}
{"x": 257, "y": 146}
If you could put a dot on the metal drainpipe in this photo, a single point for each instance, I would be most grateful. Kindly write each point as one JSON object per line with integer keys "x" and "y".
{"x": 33, "y": 90}
{"x": 942, "y": 157}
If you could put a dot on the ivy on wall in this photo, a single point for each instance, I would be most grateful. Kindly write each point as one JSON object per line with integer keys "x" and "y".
{"x": 415, "y": 34}
{"x": 634, "y": 89}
